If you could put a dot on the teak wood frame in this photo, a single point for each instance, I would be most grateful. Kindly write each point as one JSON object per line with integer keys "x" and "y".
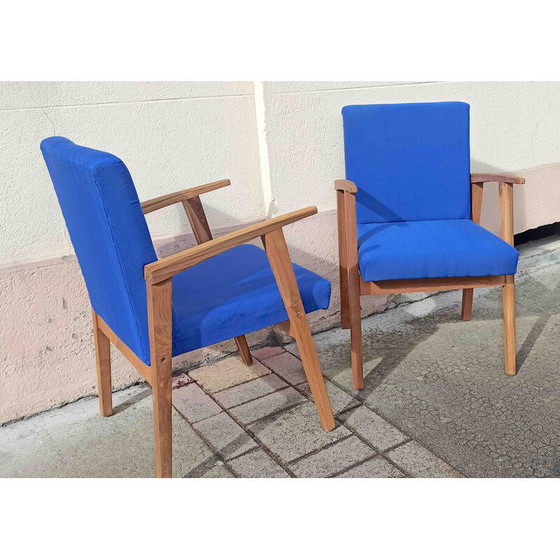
{"x": 352, "y": 286}
{"x": 158, "y": 276}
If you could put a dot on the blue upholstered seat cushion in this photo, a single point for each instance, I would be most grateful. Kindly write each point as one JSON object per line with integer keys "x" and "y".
{"x": 431, "y": 249}
{"x": 232, "y": 294}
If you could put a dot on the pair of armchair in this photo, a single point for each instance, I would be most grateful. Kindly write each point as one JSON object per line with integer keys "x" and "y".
{"x": 406, "y": 223}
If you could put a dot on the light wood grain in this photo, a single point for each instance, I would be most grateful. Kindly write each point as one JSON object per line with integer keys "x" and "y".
{"x": 506, "y": 212}
{"x": 496, "y": 178}
{"x": 476, "y": 210}
{"x": 244, "y": 351}
{"x": 428, "y": 284}
{"x": 103, "y": 362}
{"x": 346, "y": 186}
{"x": 160, "y": 331}
{"x": 166, "y": 268}
{"x": 508, "y": 293}
{"x": 343, "y": 232}
{"x": 202, "y": 233}
{"x": 197, "y": 219}
{"x": 140, "y": 366}
{"x": 179, "y": 196}
{"x": 279, "y": 258}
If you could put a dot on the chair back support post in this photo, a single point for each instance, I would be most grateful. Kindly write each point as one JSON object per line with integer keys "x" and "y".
{"x": 506, "y": 212}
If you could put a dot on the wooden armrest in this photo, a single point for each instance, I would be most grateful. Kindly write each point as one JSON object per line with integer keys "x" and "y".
{"x": 156, "y": 272}
{"x": 179, "y": 196}
{"x": 345, "y": 185}
{"x": 487, "y": 178}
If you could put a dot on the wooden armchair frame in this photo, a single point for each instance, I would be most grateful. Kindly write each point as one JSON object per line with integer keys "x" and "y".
{"x": 352, "y": 286}
{"x": 158, "y": 276}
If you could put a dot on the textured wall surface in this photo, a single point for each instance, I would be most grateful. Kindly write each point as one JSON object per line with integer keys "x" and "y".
{"x": 280, "y": 143}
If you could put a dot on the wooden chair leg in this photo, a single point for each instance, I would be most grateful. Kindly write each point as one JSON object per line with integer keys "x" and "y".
{"x": 281, "y": 265}
{"x": 159, "y": 325}
{"x": 343, "y": 262}
{"x": 356, "y": 334}
{"x": 103, "y": 361}
{"x": 508, "y": 292}
{"x": 466, "y": 308}
{"x": 244, "y": 351}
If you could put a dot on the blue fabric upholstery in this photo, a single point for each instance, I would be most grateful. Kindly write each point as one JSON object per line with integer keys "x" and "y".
{"x": 235, "y": 293}
{"x": 109, "y": 234}
{"x": 229, "y": 295}
{"x": 410, "y": 161}
{"x": 431, "y": 249}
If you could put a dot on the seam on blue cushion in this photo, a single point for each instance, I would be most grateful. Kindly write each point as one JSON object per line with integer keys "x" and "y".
{"x": 94, "y": 174}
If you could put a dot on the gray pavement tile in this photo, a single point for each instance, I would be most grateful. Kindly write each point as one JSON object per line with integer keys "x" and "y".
{"x": 193, "y": 403}
{"x": 333, "y": 459}
{"x": 287, "y": 366}
{"x": 76, "y": 442}
{"x": 266, "y": 352}
{"x": 295, "y": 432}
{"x": 377, "y": 467}
{"x": 227, "y": 373}
{"x": 420, "y": 462}
{"x": 225, "y": 435}
{"x": 340, "y": 400}
{"x": 250, "y": 390}
{"x": 374, "y": 429}
{"x": 257, "y": 464}
{"x": 267, "y": 405}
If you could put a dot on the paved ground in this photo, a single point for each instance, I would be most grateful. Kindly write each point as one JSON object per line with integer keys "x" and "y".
{"x": 436, "y": 404}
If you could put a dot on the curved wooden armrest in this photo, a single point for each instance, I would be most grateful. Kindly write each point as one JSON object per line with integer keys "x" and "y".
{"x": 344, "y": 185}
{"x": 156, "y": 272}
{"x": 487, "y": 178}
{"x": 179, "y": 196}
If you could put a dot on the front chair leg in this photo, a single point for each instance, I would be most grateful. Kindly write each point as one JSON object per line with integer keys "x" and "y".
{"x": 163, "y": 429}
{"x": 508, "y": 293}
{"x": 160, "y": 331}
{"x": 281, "y": 265}
{"x": 244, "y": 351}
{"x": 103, "y": 361}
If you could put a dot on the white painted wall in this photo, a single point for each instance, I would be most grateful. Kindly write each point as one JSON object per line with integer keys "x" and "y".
{"x": 171, "y": 136}
{"x": 280, "y": 143}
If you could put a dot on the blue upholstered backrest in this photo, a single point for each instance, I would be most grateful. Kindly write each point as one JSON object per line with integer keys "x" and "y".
{"x": 410, "y": 161}
{"x": 109, "y": 234}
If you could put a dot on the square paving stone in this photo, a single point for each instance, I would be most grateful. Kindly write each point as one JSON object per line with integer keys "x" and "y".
{"x": 420, "y": 462}
{"x": 295, "y": 432}
{"x": 193, "y": 403}
{"x": 333, "y": 459}
{"x": 257, "y": 464}
{"x": 266, "y": 352}
{"x": 267, "y": 405}
{"x": 225, "y": 435}
{"x": 287, "y": 366}
{"x": 374, "y": 429}
{"x": 340, "y": 400}
{"x": 227, "y": 373}
{"x": 240, "y": 394}
{"x": 377, "y": 467}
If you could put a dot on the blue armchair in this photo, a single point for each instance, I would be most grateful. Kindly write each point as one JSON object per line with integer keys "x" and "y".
{"x": 409, "y": 213}
{"x": 155, "y": 309}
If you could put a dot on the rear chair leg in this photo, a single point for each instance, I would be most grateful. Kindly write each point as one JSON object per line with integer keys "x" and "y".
{"x": 244, "y": 351}
{"x": 466, "y": 309}
{"x": 103, "y": 361}
{"x": 508, "y": 293}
